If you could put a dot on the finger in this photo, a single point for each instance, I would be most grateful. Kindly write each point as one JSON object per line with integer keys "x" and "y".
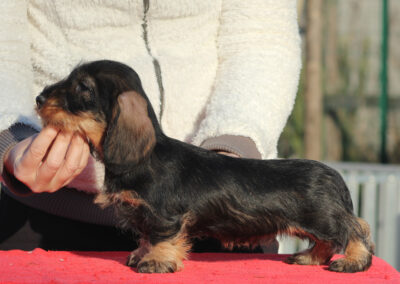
{"x": 36, "y": 151}
{"x": 54, "y": 159}
{"x": 85, "y": 157}
{"x": 71, "y": 164}
{"x": 83, "y": 163}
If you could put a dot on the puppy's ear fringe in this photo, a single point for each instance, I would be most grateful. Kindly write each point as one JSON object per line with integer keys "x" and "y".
{"x": 130, "y": 135}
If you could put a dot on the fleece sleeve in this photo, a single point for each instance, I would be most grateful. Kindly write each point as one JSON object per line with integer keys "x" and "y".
{"x": 241, "y": 146}
{"x": 259, "y": 66}
{"x": 16, "y": 76}
{"x": 10, "y": 137}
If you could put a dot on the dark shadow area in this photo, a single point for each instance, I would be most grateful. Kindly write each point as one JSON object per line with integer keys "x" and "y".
{"x": 26, "y": 228}
{"x": 236, "y": 257}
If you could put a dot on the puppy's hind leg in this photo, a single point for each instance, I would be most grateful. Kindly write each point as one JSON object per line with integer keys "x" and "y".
{"x": 358, "y": 252}
{"x": 320, "y": 253}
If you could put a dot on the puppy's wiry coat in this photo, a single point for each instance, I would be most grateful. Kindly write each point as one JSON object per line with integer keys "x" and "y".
{"x": 170, "y": 192}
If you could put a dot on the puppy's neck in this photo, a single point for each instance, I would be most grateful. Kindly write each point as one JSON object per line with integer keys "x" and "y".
{"x": 150, "y": 171}
{"x": 131, "y": 174}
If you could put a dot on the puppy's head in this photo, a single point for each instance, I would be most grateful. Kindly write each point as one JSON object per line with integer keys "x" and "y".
{"x": 105, "y": 103}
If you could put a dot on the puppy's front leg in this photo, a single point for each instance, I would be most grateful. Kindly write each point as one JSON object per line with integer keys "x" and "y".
{"x": 165, "y": 256}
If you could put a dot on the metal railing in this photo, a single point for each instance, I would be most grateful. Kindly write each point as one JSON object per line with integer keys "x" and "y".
{"x": 375, "y": 191}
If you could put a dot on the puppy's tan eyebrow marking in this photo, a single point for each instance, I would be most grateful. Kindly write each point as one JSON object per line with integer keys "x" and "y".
{"x": 88, "y": 81}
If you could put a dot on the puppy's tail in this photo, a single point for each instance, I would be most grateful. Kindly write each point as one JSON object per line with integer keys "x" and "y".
{"x": 359, "y": 250}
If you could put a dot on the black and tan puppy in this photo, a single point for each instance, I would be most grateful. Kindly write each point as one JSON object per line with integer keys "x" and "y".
{"x": 170, "y": 192}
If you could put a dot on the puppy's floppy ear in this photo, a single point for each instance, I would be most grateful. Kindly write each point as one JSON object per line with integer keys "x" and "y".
{"x": 130, "y": 134}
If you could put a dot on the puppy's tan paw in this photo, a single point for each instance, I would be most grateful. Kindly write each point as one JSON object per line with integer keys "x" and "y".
{"x": 301, "y": 259}
{"x": 133, "y": 260}
{"x": 349, "y": 266}
{"x": 153, "y": 266}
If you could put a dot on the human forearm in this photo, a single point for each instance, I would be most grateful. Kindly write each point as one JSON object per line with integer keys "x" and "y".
{"x": 240, "y": 146}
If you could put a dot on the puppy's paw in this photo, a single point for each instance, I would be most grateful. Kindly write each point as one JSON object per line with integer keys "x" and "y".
{"x": 307, "y": 258}
{"x": 133, "y": 259}
{"x": 301, "y": 259}
{"x": 349, "y": 266}
{"x": 136, "y": 256}
{"x": 153, "y": 266}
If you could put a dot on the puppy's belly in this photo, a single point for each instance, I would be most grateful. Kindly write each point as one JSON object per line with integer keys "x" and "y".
{"x": 240, "y": 229}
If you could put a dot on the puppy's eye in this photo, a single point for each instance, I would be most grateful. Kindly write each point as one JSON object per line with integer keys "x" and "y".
{"x": 81, "y": 96}
{"x": 83, "y": 87}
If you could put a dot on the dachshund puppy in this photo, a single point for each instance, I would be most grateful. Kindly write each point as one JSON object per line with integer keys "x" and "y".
{"x": 171, "y": 192}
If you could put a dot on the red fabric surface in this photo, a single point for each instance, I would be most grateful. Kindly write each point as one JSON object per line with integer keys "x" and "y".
{"x": 41, "y": 266}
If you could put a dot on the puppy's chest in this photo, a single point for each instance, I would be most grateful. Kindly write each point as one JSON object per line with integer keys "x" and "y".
{"x": 132, "y": 212}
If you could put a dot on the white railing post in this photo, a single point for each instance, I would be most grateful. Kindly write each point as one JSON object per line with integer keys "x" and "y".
{"x": 387, "y": 221}
{"x": 369, "y": 204}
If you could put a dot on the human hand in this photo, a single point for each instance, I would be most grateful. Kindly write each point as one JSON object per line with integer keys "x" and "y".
{"x": 49, "y": 160}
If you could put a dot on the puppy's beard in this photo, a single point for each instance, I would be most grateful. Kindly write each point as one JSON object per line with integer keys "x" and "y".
{"x": 84, "y": 123}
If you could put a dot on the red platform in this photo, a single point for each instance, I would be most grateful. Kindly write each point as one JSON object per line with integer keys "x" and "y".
{"x": 41, "y": 266}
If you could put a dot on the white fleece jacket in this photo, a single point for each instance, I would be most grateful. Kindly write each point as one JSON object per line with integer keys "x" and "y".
{"x": 225, "y": 66}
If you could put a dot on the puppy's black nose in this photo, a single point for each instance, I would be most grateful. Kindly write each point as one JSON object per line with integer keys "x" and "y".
{"x": 40, "y": 101}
